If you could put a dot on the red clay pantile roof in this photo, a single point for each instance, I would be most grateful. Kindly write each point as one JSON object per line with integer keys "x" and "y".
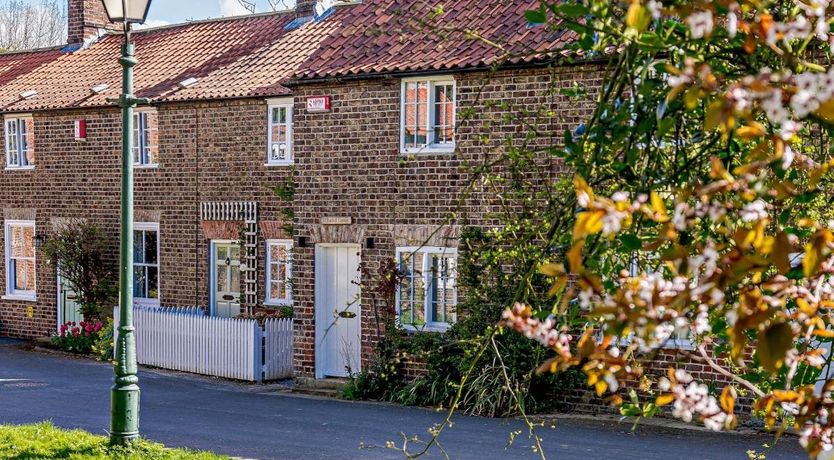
{"x": 239, "y": 57}
{"x": 399, "y": 36}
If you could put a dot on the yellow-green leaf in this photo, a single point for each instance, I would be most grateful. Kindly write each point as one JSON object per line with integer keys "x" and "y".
{"x": 774, "y": 343}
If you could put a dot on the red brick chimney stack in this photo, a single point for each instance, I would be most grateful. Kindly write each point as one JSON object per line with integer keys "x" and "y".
{"x": 305, "y": 8}
{"x": 85, "y": 18}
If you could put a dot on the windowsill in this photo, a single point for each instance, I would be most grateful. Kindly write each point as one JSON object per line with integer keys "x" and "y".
{"x": 278, "y": 304}
{"x": 19, "y": 297}
{"x": 678, "y": 344}
{"x": 434, "y": 328}
{"x": 428, "y": 150}
{"x": 20, "y": 168}
{"x": 138, "y": 166}
{"x": 278, "y": 163}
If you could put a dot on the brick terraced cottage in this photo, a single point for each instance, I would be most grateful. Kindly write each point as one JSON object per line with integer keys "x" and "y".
{"x": 209, "y": 149}
{"x": 358, "y": 110}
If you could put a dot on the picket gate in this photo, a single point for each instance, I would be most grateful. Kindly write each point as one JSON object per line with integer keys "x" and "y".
{"x": 184, "y": 339}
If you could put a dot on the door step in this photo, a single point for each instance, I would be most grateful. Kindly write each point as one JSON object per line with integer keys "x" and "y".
{"x": 330, "y": 387}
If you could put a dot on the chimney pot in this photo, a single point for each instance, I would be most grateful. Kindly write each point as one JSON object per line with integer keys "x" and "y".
{"x": 305, "y": 8}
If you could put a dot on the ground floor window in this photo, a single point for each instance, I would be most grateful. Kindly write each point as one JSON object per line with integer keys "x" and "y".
{"x": 278, "y": 272}
{"x": 427, "y": 296}
{"x": 20, "y": 259}
{"x": 146, "y": 264}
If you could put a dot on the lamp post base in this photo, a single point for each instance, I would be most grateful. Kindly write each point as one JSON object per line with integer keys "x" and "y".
{"x": 124, "y": 405}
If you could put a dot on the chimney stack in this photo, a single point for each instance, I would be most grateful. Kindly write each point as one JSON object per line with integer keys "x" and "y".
{"x": 305, "y": 8}
{"x": 85, "y": 20}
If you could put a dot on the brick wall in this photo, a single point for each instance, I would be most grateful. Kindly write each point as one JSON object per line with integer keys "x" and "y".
{"x": 208, "y": 152}
{"x": 349, "y": 164}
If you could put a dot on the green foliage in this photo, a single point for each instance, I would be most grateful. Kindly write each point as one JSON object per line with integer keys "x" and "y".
{"x": 79, "y": 249}
{"x": 45, "y": 441}
{"x": 102, "y": 347}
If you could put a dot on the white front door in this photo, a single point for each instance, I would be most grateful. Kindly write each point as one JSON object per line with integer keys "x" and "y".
{"x": 225, "y": 279}
{"x": 338, "y": 320}
{"x": 68, "y": 307}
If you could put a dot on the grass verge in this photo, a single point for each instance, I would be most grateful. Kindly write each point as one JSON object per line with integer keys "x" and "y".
{"x": 45, "y": 441}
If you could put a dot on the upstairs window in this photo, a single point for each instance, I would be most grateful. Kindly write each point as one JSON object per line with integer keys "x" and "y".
{"x": 279, "y": 140}
{"x": 146, "y": 264}
{"x": 428, "y": 115}
{"x": 20, "y": 142}
{"x": 278, "y": 272}
{"x": 427, "y": 295}
{"x": 145, "y": 138}
{"x": 20, "y": 259}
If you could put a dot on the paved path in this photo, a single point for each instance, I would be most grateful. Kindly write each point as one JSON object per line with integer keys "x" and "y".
{"x": 247, "y": 421}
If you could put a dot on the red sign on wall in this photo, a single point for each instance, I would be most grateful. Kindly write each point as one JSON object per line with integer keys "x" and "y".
{"x": 81, "y": 130}
{"x": 318, "y": 104}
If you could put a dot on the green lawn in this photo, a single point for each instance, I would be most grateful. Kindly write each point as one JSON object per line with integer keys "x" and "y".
{"x": 44, "y": 441}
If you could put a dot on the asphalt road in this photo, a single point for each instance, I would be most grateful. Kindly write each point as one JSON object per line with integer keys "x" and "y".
{"x": 253, "y": 421}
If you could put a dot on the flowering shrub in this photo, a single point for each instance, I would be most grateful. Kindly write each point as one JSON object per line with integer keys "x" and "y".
{"x": 702, "y": 194}
{"x": 78, "y": 338}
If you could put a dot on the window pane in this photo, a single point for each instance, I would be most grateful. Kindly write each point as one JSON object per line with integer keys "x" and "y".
{"x": 151, "y": 137}
{"x": 11, "y": 143}
{"x": 235, "y": 279}
{"x": 137, "y": 158}
{"x": 28, "y": 141}
{"x": 24, "y": 275}
{"x": 443, "y": 101}
{"x": 274, "y": 291}
{"x": 139, "y": 281}
{"x": 234, "y": 253}
{"x": 153, "y": 282}
{"x": 222, "y": 276}
{"x": 151, "y": 247}
{"x": 415, "y": 114}
{"x": 442, "y": 289}
{"x": 138, "y": 247}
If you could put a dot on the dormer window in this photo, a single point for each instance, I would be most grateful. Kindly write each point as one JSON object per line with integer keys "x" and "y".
{"x": 20, "y": 142}
{"x": 279, "y": 138}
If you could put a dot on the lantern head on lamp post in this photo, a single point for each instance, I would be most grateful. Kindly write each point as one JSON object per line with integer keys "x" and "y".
{"x": 127, "y": 11}
{"x": 124, "y": 398}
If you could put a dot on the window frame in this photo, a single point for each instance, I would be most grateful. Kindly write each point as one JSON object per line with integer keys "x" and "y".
{"x": 430, "y": 146}
{"x": 430, "y": 325}
{"x": 18, "y": 141}
{"x": 286, "y": 103}
{"x": 268, "y": 300}
{"x": 11, "y": 292}
{"x": 137, "y": 143}
{"x": 675, "y": 342}
{"x": 148, "y": 301}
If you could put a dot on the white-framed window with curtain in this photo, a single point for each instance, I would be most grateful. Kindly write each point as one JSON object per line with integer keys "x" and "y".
{"x": 20, "y": 142}
{"x": 427, "y": 296}
{"x": 278, "y": 272}
{"x": 146, "y": 264}
{"x": 145, "y": 138}
{"x": 21, "y": 271}
{"x": 279, "y": 136}
{"x": 428, "y": 114}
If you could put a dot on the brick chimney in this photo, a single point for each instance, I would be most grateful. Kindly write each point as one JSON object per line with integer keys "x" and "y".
{"x": 305, "y": 8}
{"x": 85, "y": 18}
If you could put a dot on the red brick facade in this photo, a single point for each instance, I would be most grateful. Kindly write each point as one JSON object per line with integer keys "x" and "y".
{"x": 211, "y": 151}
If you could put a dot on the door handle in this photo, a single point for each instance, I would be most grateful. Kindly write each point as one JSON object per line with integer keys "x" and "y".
{"x": 347, "y": 314}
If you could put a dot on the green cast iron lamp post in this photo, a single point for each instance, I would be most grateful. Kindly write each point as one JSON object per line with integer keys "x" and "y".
{"x": 124, "y": 399}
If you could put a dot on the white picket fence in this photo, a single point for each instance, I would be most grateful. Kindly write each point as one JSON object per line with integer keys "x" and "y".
{"x": 184, "y": 339}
